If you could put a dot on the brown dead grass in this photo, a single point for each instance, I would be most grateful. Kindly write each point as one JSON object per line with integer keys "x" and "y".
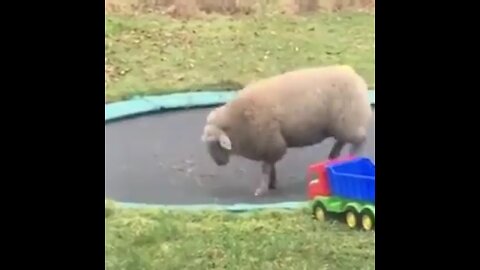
{"x": 196, "y": 8}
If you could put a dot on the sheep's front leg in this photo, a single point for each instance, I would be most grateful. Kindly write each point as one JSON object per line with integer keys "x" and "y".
{"x": 272, "y": 184}
{"x": 265, "y": 179}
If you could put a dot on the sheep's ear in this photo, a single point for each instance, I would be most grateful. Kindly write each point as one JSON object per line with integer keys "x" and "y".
{"x": 225, "y": 142}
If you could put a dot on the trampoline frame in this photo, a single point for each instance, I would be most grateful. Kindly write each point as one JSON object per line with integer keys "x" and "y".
{"x": 140, "y": 105}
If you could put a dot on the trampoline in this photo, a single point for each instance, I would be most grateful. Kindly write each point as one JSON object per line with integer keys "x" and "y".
{"x": 154, "y": 156}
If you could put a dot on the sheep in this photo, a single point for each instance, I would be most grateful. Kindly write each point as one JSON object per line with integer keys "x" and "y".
{"x": 295, "y": 109}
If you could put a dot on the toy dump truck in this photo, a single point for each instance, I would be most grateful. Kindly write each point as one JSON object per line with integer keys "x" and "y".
{"x": 346, "y": 187}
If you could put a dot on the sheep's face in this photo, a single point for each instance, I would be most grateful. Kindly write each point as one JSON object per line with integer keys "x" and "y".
{"x": 218, "y": 154}
{"x": 218, "y": 145}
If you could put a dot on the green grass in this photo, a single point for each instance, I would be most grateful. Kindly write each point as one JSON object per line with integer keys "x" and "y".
{"x": 147, "y": 54}
{"x": 156, "y": 239}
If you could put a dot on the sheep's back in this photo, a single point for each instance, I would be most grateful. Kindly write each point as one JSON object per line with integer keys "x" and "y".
{"x": 315, "y": 103}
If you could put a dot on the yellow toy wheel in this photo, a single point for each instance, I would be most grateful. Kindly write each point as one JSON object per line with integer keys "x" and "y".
{"x": 320, "y": 212}
{"x": 368, "y": 220}
{"x": 351, "y": 217}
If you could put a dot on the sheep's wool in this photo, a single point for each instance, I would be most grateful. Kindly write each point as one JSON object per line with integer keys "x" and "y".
{"x": 295, "y": 109}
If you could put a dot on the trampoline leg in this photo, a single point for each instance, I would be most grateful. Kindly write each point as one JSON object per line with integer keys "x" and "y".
{"x": 264, "y": 180}
{"x": 272, "y": 184}
{"x": 336, "y": 149}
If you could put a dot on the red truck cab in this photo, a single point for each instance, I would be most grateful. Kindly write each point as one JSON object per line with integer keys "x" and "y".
{"x": 318, "y": 184}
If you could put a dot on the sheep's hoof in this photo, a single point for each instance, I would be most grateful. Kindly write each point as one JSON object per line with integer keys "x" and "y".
{"x": 259, "y": 192}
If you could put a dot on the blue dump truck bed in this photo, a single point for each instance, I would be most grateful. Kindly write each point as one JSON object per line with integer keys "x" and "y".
{"x": 353, "y": 179}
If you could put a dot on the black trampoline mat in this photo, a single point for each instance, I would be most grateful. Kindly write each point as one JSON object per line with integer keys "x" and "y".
{"x": 160, "y": 159}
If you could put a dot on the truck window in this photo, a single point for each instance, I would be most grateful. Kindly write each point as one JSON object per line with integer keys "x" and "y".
{"x": 312, "y": 176}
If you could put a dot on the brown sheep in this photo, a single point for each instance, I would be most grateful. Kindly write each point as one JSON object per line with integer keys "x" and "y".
{"x": 294, "y": 109}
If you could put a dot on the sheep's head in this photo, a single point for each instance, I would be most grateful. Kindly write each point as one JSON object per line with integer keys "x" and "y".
{"x": 218, "y": 144}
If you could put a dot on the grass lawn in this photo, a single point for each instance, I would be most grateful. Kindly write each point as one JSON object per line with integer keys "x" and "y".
{"x": 154, "y": 239}
{"x": 147, "y": 54}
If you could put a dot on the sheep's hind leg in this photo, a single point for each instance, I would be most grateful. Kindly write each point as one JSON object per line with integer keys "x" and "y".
{"x": 357, "y": 148}
{"x": 264, "y": 180}
{"x": 358, "y": 144}
{"x": 336, "y": 149}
